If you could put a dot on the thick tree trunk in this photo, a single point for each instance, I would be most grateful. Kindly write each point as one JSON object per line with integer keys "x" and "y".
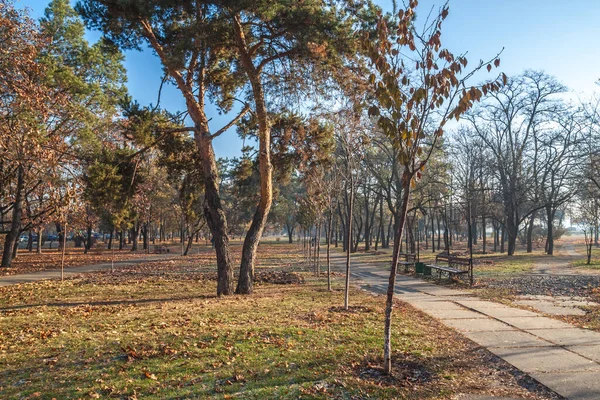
{"x": 318, "y": 250}
{"x": 39, "y": 240}
{"x": 290, "y": 232}
{"x": 12, "y": 236}
{"x": 550, "y": 212}
{"x": 30, "y": 241}
{"x": 264, "y": 165}
{"x": 89, "y": 240}
{"x": 215, "y": 216}
{"x": 110, "y": 239}
{"x": 513, "y": 232}
{"x": 134, "y": 232}
{"x": 213, "y": 210}
{"x": 529, "y": 238}
{"x": 389, "y": 303}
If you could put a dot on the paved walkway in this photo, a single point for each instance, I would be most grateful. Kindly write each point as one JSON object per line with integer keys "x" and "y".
{"x": 562, "y": 357}
{"x": 8, "y": 280}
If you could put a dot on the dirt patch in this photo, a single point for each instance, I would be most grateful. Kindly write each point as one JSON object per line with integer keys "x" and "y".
{"x": 404, "y": 373}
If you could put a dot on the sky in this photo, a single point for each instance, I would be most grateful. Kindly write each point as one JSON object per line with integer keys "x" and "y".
{"x": 557, "y": 36}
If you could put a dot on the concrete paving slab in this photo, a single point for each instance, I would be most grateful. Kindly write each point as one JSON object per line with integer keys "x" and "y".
{"x": 415, "y": 296}
{"x": 454, "y": 314}
{"x": 530, "y": 323}
{"x": 437, "y": 291}
{"x": 478, "y": 325}
{"x": 589, "y": 351}
{"x": 477, "y": 303}
{"x": 551, "y": 308}
{"x": 568, "y": 337}
{"x": 505, "y": 311}
{"x": 544, "y": 359}
{"x": 572, "y": 385}
{"x": 436, "y": 305}
{"x": 506, "y": 338}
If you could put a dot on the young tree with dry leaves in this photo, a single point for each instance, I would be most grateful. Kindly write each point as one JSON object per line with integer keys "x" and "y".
{"x": 418, "y": 86}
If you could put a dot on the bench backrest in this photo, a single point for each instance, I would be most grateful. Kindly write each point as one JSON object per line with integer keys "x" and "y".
{"x": 454, "y": 261}
{"x": 409, "y": 257}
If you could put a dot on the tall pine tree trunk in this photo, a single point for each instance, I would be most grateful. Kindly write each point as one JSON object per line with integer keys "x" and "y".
{"x": 264, "y": 165}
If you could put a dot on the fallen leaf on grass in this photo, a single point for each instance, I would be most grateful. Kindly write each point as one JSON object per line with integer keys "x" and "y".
{"x": 150, "y": 375}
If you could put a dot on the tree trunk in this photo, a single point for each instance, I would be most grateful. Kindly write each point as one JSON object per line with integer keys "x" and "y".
{"x": 318, "y": 250}
{"x": 483, "y": 234}
{"x": 349, "y": 240}
{"x": 145, "y": 237}
{"x": 12, "y": 236}
{"x": 215, "y": 216}
{"x": 189, "y": 244}
{"x": 389, "y": 303}
{"x": 550, "y": 212}
{"x": 264, "y": 165}
{"x": 88, "y": 242}
{"x": 110, "y": 239}
{"x": 529, "y": 238}
{"x": 432, "y": 234}
{"x": 30, "y": 241}
{"x": 290, "y": 232}
{"x": 135, "y": 231}
{"x": 513, "y": 231}
{"x": 329, "y": 227}
{"x": 39, "y": 240}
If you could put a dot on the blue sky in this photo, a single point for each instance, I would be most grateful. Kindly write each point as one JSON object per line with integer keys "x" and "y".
{"x": 557, "y": 36}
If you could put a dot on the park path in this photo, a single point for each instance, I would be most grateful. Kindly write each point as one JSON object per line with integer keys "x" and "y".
{"x": 8, "y": 280}
{"x": 560, "y": 264}
{"x": 560, "y": 356}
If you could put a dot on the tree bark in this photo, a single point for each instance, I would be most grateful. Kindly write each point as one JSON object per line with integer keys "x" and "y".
{"x": 329, "y": 233}
{"x": 213, "y": 210}
{"x": 89, "y": 240}
{"x": 318, "y": 250}
{"x": 349, "y": 239}
{"x": 12, "y": 236}
{"x": 389, "y": 303}
{"x": 189, "y": 244}
{"x": 530, "y": 232}
{"x": 264, "y": 165}
{"x": 39, "y": 241}
{"x": 134, "y": 237}
{"x": 550, "y": 212}
{"x": 110, "y": 239}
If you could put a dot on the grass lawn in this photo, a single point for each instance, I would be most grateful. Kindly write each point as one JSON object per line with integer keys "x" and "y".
{"x": 594, "y": 261}
{"x": 135, "y": 334}
{"x": 497, "y": 264}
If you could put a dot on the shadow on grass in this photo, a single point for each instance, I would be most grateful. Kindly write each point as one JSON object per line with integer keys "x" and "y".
{"x": 107, "y": 303}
